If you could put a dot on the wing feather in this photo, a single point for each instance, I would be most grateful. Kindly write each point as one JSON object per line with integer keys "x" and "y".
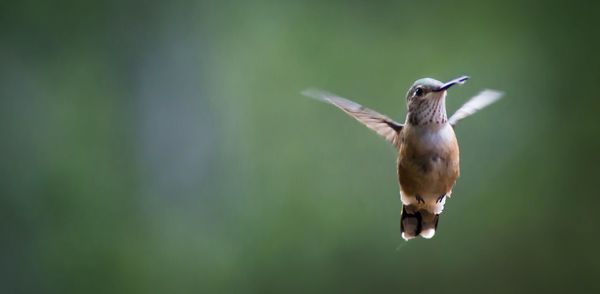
{"x": 478, "y": 102}
{"x": 381, "y": 124}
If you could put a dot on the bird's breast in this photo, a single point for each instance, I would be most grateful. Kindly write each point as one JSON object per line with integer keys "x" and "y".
{"x": 428, "y": 161}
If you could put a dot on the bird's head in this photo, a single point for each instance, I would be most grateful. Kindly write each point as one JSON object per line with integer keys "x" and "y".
{"x": 426, "y": 101}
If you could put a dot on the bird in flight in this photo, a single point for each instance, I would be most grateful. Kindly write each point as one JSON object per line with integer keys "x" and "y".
{"x": 428, "y": 153}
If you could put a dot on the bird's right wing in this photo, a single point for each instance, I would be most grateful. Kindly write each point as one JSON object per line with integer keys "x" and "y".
{"x": 481, "y": 100}
{"x": 381, "y": 124}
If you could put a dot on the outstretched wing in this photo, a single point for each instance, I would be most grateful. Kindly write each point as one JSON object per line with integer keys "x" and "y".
{"x": 481, "y": 100}
{"x": 381, "y": 124}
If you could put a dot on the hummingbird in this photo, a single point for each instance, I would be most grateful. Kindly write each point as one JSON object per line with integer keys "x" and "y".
{"x": 428, "y": 153}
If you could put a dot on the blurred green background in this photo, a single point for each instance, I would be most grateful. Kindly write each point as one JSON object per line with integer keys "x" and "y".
{"x": 163, "y": 147}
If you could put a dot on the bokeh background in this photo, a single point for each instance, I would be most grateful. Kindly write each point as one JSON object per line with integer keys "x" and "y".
{"x": 163, "y": 147}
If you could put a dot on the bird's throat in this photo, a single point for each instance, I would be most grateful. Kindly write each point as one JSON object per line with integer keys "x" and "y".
{"x": 428, "y": 111}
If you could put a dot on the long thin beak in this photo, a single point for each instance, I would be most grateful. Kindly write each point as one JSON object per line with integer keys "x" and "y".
{"x": 451, "y": 83}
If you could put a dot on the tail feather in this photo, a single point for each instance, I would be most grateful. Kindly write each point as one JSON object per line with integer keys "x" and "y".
{"x": 417, "y": 222}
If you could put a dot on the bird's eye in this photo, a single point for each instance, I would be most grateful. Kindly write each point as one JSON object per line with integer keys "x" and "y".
{"x": 419, "y": 92}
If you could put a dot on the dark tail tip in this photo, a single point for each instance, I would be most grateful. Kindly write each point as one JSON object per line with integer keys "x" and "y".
{"x": 414, "y": 222}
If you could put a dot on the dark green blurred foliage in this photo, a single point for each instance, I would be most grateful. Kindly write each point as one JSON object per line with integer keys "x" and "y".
{"x": 164, "y": 147}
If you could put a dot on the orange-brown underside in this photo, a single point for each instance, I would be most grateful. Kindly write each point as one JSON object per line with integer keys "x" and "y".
{"x": 426, "y": 170}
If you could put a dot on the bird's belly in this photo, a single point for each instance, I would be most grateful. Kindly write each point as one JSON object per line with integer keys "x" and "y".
{"x": 428, "y": 167}
{"x": 429, "y": 176}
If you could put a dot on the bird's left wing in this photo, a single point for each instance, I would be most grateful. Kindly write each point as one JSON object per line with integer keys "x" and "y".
{"x": 381, "y": 124}
{"x": 481, "y": 100}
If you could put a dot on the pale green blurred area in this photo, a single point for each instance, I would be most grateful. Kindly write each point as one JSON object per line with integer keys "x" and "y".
{"x": 165, "y": 148}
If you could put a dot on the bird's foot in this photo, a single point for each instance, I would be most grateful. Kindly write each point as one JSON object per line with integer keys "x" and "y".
{"x": 440, "y": 199}
{"x": 420, "y": 199}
